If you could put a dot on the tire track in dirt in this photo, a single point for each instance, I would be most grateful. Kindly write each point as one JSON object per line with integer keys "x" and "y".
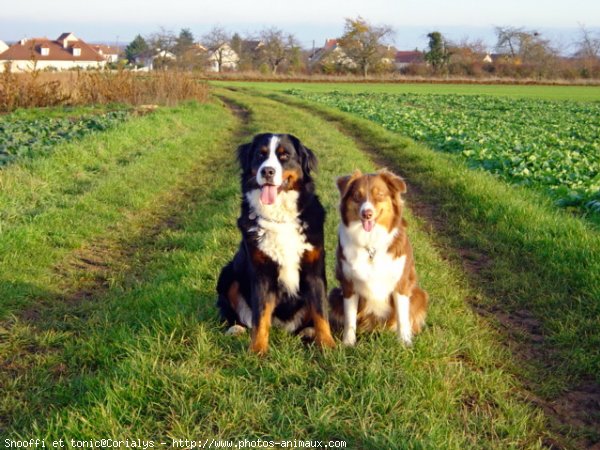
{"x": 577, "y": 408}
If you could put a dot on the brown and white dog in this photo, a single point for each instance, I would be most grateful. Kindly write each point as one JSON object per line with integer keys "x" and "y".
{"x": 375, "y": 264}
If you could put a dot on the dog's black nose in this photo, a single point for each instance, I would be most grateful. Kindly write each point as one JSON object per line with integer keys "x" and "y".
{"x": 367, "y": 214}
{"x": 268, "y": 173}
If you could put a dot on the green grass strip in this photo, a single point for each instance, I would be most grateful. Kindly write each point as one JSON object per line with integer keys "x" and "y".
{"x": 50, "y": 206}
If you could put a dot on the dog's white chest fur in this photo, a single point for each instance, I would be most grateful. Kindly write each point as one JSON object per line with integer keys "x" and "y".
{"x": 374, "y": 278}
{"x": 281, "y": 236}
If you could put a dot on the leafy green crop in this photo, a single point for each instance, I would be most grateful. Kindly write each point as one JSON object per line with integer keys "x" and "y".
{"x": 549, "y": 145}
{"x": 30, "y": 138}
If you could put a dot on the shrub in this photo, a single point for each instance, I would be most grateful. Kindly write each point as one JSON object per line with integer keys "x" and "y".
{"x": 41, "y": 89}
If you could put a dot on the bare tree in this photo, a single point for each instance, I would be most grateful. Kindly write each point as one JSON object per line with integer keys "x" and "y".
{"x": 518, "y": 42}
{"x": 364, "y": 43}
{"x": 162, "y": 40}
{"x": 277, "y": 48}
{"x": 528, "y": 49}
{"x": 588, "y": 46}
{"x": 588, "y": 53}
{"x": 161, "y": 45}
{"x": 509, "y": 40}
{"x": 215, "y": 41}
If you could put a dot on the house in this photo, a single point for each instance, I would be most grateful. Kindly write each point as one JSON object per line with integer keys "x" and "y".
{"x": 3, "y": 46}
{"x": 388, "y": 57}
{"x": 251, "y": 46}
{"x": 64, "y": 53}
{"x": 110, "y": 54}
{"x": 222, "y": 58}
{"x": 153, "y": 59}
{"x": 331, "y": 57}
{"x": 405, "y": 58}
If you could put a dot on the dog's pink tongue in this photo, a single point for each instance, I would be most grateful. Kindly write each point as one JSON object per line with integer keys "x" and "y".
{"x": 368, "y": 225}
{"x": 268, "y": 194}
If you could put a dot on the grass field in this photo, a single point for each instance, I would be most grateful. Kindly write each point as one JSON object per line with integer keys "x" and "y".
{"x": 550, "y": 146}
{"x": 110, "y": 249}
{"x": 581, "y": 93}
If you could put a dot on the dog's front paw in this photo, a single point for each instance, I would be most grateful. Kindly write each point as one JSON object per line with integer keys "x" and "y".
{"x": 405, "y": 337}
{"x": 307, "y": 333}
{"x": 259, "y": 344}
{"x": 259, "y": 348}
{"x": 235, "y": 330}
{"x": 349, "y": 339}
{"x": 324, "y": 340}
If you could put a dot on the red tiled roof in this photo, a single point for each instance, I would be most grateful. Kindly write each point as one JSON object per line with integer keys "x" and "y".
{"x": 330, "y": 43}
{"x": 29, "y": 50}
{"x": 105, "y": 49}
{"x": 409, "y": 57}
{"x": 63, "y": 36}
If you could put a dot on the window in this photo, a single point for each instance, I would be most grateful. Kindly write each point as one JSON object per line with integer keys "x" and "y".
{"x": 45, "y": 51}
{"x": 76, "y": 51}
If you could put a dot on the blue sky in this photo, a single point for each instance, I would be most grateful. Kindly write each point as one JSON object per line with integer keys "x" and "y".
{"x": 121, "y": 20}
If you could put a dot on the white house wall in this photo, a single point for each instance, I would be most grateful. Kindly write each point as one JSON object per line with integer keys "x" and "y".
{"x": 28, "y": 66}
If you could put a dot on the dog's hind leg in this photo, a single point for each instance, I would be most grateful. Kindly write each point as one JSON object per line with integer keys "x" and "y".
{"x": 418, "y": 309}
{"x": 232, "y": 306}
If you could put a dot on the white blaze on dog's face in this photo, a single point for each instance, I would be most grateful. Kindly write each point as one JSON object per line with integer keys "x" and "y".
{"x": 372, "y": 199}
{"x": 269, "y": 175}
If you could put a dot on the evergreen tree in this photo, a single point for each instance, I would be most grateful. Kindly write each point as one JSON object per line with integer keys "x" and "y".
{"x": 184, "y": 41}
{"x": 438, "y": 54}
{"x": 136, "y": 48}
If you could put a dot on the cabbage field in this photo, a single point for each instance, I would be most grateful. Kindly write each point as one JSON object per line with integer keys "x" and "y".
{"x": 30, "y": 137}
{"x": 549, "y": 145}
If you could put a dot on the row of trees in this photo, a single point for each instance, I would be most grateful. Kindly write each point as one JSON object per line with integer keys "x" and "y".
{"x": 518, "y": 52}
{"x": 271, "y": 50}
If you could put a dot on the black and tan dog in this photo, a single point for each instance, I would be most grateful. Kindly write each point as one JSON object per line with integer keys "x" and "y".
{"x": 278, "y": 272}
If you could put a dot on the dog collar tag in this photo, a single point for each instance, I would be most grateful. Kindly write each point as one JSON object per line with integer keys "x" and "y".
{"x": 252, "y": 216}
{"x": 371, "y": 252}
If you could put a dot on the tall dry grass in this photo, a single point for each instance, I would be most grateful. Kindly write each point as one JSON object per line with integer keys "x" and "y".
{"x": 40, "y": 89}
{"x": 395, "y": 77}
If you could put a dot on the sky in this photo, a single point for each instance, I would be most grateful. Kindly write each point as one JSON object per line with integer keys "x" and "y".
{"x": 118, "y": 21}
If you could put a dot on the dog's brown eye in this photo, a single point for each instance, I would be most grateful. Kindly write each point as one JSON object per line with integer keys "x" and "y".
{"x": 357, "y": 197}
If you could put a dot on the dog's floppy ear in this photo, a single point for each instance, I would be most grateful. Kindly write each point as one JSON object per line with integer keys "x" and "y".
{"x": 396, "y": 183}
{"x": 243, "y": 155}
{"x": 307, "y": 156}
{"x": 309, "y": 159}
{"x": 344, "y": 182}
